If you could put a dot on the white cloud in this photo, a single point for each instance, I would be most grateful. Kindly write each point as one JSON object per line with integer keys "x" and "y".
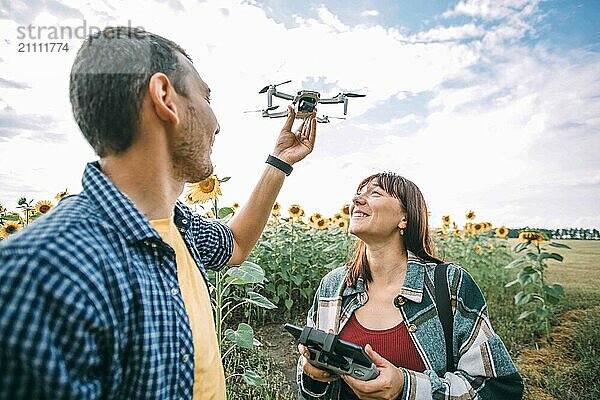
{"x": 369, "y": 13}
{"x": 491, "y": 9}
{"x": 390, "y": 125}
{"x": 444, "y": 33}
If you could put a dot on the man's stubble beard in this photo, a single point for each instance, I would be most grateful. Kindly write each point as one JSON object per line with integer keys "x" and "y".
{"x": 189, "y": 165}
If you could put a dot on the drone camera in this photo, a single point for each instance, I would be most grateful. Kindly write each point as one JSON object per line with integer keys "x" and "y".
{"x": 306, "y": 101}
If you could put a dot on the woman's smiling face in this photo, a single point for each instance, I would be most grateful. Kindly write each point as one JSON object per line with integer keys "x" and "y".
{"x": 375, "y": 214}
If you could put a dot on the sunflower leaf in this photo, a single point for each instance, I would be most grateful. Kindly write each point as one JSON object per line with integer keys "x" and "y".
{"x": 246, "y": 273}
{"x": 520, "y": 247}
{"x": 560, "y": 245}
{"x": 252, "y": 378}
{"x": 288, "y": 304}
{"x": 243, "y": 336}
{"x": 525, "y": 314}
{"x": 331, "y": 247}
{"x": 522, "y": 298}
{"x": 554, "y": 256}
{"x": 260, "y": 300}
{"x": 515, "y": 263}
{"x": 225, "y": 211}
{"x": 266, "y": 245}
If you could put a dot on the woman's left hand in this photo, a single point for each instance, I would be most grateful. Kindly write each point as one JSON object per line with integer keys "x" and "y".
{"x": 388, "y": 385}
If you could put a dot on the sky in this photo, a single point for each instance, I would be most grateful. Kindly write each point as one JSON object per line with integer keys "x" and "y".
{"x": 487, "y": 105}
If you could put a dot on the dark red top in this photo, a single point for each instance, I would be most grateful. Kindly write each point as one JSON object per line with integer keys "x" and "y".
{"x": 393, "y": 344}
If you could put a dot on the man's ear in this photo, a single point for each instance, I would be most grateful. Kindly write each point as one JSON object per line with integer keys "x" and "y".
{"x": 162, "y": 97}
{"x": 403, "y": 222}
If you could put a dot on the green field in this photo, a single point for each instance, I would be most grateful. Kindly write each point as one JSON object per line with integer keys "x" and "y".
{"x": 569, "y": 368}
{"x": 579, "y": 271}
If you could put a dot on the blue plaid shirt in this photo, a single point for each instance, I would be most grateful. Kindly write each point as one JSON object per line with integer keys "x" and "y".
{"x": 90, "y": 305}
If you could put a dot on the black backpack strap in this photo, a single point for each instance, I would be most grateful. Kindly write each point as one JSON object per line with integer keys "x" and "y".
{"x": 444, "y": 307}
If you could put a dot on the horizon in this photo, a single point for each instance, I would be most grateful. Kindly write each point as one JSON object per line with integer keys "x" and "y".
{"x": 486, "y": 106}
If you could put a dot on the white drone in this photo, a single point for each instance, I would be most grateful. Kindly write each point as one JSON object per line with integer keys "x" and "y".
{"x": 304, "y": 102}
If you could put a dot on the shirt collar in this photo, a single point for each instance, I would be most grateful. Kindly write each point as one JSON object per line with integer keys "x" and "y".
{"x": 115, "y": 207}
{"x": 412, "y": 289}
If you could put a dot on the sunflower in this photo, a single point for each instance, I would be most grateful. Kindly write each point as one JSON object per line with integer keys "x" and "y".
{"x": 502, "y": 232}
{"x": 276, "y": 210}
{"x": 60, "y": 195}
{"x": 203, "y": 191}
{"x": 534, "y": 237}
{"x": 478, "y": 249}
{"x": 446, "y": 220}
{"x": 235, "y": 206}
{"x": 322, "y": 224}
{"x": 478, "y": 227}
{"x": 345, "y": 211}
{"x": 315, "y": 217}
{"x": 341, "y": 223}
{"x": 470, "y": 215}
{"x": 9, "y": 228}
{"x": 43, "y": 206}
{"x": 295, "y": 211}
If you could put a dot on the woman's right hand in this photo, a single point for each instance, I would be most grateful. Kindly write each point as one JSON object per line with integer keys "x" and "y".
{"x": 312, "y": 371}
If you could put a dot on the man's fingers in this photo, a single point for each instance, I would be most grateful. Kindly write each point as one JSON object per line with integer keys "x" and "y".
{"x": 290, "y": 119}
{"x": 312, "y": 133}
{"x": 306, "y": 127}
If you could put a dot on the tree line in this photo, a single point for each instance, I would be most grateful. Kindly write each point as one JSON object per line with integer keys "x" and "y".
{"x": 564, "y": 233}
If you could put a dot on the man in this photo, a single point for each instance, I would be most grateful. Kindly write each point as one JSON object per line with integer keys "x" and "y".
{"x": 106, "y": 296}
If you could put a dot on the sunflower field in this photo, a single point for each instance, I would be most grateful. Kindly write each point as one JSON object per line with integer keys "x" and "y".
{"x": 278, "y": 281}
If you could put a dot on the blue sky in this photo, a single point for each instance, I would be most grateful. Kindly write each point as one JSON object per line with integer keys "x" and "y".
{"x": 492, "y": 106}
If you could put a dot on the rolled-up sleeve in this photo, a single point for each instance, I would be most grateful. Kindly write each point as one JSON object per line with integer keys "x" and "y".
{"x": 214, "y": 241}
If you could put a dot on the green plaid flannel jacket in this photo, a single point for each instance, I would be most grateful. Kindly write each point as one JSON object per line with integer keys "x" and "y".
{"x": 484, "y": 369}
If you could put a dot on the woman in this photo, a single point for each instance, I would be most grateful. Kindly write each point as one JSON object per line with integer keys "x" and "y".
{"x": 384, "y": 301}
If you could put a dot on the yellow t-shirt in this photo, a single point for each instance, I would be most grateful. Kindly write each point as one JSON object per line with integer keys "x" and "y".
{"x": 209, "y": 378}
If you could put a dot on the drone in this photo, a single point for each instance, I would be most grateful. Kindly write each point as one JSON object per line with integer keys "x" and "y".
{"x": 304, "y": 102}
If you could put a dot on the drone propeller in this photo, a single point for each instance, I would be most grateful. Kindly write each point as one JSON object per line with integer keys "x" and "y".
{"x": 337, "y": 117}
{"x": 354, "y": 95}
{"x": 263, "y": 90}
{"x": 266, "y": 109}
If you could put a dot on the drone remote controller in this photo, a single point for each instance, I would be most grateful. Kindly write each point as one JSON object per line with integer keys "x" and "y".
{"x": 329, "y": 352}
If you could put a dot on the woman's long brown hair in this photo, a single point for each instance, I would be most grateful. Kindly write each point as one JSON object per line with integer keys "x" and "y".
{"x": 416, "y": 235}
